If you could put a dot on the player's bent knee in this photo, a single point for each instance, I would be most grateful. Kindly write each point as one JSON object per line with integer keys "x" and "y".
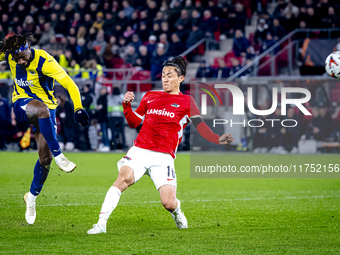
{"x": 169, "y": 204}
{"x": 125, "y": 178}
{"x": 43, "y": 112}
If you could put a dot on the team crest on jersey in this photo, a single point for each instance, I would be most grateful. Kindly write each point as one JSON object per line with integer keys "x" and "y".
{"x": 31, "y": 72}
{"x": 126, "y": 157}
{"x": 175, "y": 105}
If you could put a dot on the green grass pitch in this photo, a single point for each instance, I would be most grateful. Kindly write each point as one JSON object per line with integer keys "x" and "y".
{"x": 226, "y": 216}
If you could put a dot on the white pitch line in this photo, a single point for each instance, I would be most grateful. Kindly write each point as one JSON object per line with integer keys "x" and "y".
{"x": 189, "y": 201}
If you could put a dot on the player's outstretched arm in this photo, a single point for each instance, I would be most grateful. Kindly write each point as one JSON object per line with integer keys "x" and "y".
{"x": 80, "y": 114}
{"x": 208, "y": 134}
{"x": 133, "y": 118}
{"x": 52, "y": 69}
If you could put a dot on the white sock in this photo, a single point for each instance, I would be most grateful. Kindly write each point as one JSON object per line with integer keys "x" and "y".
{"x": 57, "y": 158}
{"x": 110, "y": 203}
{"x": 31, "y": 197}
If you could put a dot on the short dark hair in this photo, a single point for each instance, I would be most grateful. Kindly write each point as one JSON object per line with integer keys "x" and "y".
{"x": 13, "y": 43}
{"x": 180, "y": 63}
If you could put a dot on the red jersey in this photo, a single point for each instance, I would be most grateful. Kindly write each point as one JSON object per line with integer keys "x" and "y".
{"x": 164, "y": 118}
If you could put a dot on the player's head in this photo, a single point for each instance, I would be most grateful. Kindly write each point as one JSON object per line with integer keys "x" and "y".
{"x": 19, "y": 47}
{"x": 173, "y": 74}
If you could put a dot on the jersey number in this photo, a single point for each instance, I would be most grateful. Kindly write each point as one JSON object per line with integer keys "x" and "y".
{"x": 171, "y": 173}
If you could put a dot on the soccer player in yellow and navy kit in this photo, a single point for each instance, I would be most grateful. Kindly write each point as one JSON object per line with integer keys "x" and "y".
{"x": 34, "y": 73}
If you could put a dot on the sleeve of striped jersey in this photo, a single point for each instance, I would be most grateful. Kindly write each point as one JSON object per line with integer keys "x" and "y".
{"x": 134, "y": 118}
{"x": 52, "y": 69}
{"x": 2, "y": 57}
{"x": 200, "y": 125}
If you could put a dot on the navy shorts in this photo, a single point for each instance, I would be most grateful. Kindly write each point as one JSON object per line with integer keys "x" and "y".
{"x": 19, "y": 108}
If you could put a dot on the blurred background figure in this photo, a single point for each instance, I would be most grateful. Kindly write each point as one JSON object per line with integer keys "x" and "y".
{"x": 103, "y": 119}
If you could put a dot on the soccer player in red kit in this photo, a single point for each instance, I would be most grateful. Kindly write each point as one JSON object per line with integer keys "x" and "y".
{"x": 164, "y": 114}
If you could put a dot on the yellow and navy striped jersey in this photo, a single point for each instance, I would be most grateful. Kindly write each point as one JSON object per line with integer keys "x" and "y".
{"x": 37, "y": 80}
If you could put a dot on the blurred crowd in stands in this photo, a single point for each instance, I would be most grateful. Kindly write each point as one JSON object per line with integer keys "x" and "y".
{"x": 119, "y": 34}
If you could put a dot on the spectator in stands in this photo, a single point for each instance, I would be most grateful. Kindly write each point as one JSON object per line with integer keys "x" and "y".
{"x": 156, "y": 30}
{"x": 99, "y": 44}
{"x": 122, "y": 47}
{"x": 182, "y": 32}
{"x": 131, "y": 55}
{"x": 98, "y": 24}
{"x": 277, "y": 30}
{"x": 116, "y": 118}
{"x": 208, "y": 24}
{"x": 269, "y": 42}
{"x": 157, "y": 61}
{"x": 240, "y": 44}
{"x": 236, "y": 66}
{"x": 261, "y": 137}
{"x": 75, "y": 22}
{"x": 29, "y": 24}
{"x": 152, "y": 45}
{"x": 199, "y": 7}
{"x": 68, "y": 128}
{"x": 163, "y": 38}
{"x": 87, "y": 22}
{"x": 133, "y": 23}
{"x": 290, "y": 8}
{"x": 128, "y": 10}
{"x": 194, "y": 36}
{"x": 69, "y": 11}
{"x": 15, "y": 21}
{"x": 42, "y": 21}
{"x": 21, "y": 10}
{"x": 322, "y": 124}
{"x": 54, "y": 20}
{"x": 176, "y": 47}
{"x": 5, "y": 120}
{"x": 184, "y": 19}
{"x": 331, "y": 20}
{"x": 322, "y": 7}
{"x": 34, "y": 11}
{"x": 81, "y": 7}
{"x": 213, "y": 8}
{"x": 72, "y": 32}
{"x": 281, "y": 5}
{"x": 103, "y": 119}
{"x": 143, "y": 32}
{"x": 4, "y": 22}
{"x": 165, "y": 29}
{"x": 93, "y": 11}
{"x": 159, "y": 18}
{"x": 136, "y": 42}
{"x": 152, "y": 9}
{"x": 144, "y": 17}
{"x": 122, "y": 20}
{"x": 62, "y": 25}
{"x": 204, "y": 71}
{"x": 195, "y": 18}
{"x": 222, "y": 71}
{"x": 143, "y": 59}
{"x": 46, "y": 35}
{"x": 2, "y": 33}
{"x": 239, "y": 18}
{"x": 225, "y": 24}
{"x": 261, "y": 32}
{"x": 82, "y": 51}
{"x": 189, "y": 7}
{"x": 306, "y": 5}
{"x": 289, "y": 21}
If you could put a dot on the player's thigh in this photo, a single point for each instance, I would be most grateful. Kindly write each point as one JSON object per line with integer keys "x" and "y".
{"x": 134, "y": 159}
{"x": 44, "y": 152}
{"x": 163, "y": 172}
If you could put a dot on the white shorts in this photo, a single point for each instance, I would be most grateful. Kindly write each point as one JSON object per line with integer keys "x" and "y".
{"x": 159, "y": 166}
